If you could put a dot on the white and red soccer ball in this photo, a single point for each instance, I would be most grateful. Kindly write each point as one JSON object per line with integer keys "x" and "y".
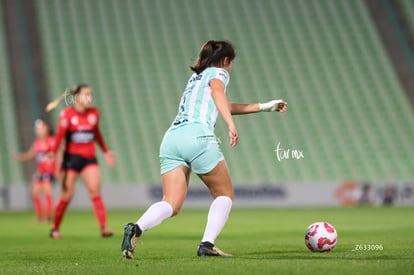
{"x": 320, "y": 237}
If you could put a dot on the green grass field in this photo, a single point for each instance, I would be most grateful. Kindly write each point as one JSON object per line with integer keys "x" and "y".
{"x": 264, "y": 241}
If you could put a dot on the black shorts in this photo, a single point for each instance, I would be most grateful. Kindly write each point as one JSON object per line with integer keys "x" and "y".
{"x": 43, "y": 177}
{"x": 76, "y": 162}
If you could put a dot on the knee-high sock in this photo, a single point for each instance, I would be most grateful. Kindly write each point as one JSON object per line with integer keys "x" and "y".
{"x": 154, "y": 215}
{"x": 100, "y": 210}
{"x": 37, "y": 203}
{"x": 217, "y": 218}
{"x": 59, "y": 213}
{"x": 49, "y": 205}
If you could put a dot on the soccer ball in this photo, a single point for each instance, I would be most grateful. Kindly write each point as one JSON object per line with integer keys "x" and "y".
{"x": 320, "y": 237}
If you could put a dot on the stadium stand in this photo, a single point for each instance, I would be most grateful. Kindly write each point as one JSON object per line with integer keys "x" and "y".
{"x": 408, "y": 8}
{"x": 347, "y": 110}
{"x": 10, "y": 171}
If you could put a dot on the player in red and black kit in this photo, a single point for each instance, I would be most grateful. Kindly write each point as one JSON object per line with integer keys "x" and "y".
{"x": 79, "y": 125}
{"x": 46, "y": 169}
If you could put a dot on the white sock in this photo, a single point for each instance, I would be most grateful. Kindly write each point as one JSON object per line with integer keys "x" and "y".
{"x": 154, "y": 215}
{"x": 217, "y": 218}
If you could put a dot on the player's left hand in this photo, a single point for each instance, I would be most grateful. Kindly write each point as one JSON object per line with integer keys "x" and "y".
{"x": 110, "y": 158}
{"x": 281, "y": 107}
{"x": 274, "y": 106}
{"x": 233, "y": 136}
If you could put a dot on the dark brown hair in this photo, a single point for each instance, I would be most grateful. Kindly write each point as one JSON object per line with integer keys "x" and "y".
{"x": 212, "y": 54}
{"x": 77, "y": 88}
{"x": 48, "y": 125}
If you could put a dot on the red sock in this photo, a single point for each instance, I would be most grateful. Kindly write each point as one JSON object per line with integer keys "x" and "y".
{"x": 37, "y": 207}
{"x": 100, "y": 211}
{"x": 59, "y": 213}
{"x": 49, "y": 205}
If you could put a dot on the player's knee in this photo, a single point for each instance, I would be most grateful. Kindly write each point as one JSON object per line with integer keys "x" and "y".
{"x": 94, "y": 193}
{"x": 229, "y": 194}
{"x": 67, "y": 195}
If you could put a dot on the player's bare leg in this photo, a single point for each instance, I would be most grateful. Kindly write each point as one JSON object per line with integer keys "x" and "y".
{"x": 174, "y": 185}
{"x": 220, "y": 185}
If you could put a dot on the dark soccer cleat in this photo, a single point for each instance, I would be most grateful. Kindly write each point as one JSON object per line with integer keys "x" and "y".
{"x": 55, "y": 234}
{"x": 131, "y": 235}
{"x": 106, "y": 233}
{"x": 208, "y": 249}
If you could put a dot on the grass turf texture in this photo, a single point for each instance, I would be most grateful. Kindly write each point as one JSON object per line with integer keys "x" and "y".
{"x": 264, "y": 241}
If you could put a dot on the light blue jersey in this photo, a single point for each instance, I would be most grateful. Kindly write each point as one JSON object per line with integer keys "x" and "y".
{"x": 197, "y": 105}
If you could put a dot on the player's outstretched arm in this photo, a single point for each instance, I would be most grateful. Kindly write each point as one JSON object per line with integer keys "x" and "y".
{"x": 28, "y": 155}
{"x": 243, "y": 109}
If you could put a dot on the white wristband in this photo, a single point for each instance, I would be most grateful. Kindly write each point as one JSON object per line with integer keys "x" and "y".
{"x": 270, "y": 106}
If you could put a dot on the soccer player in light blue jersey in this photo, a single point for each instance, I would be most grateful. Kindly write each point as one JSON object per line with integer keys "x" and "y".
{"x": 191, "y": 145}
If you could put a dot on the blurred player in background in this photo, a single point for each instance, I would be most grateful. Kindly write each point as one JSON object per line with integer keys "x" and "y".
{"x": 191, "y": 145}
{"x": 79, "y": 125}
{"x": 46, "y": 170}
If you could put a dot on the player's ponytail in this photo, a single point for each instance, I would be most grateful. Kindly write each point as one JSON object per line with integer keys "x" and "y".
{"x": 212, "y": 54}
{"x": 53, "y": 104}
{"x": 68, "y": 92}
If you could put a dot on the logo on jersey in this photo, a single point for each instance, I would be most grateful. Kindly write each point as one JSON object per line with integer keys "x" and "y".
{"x": 92, "y": 119}
{"x": 82, "y": 137}
{"x": 74, "y": 120}
{"x": 41, "y": 157}
{"x": 223, "y": 75}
